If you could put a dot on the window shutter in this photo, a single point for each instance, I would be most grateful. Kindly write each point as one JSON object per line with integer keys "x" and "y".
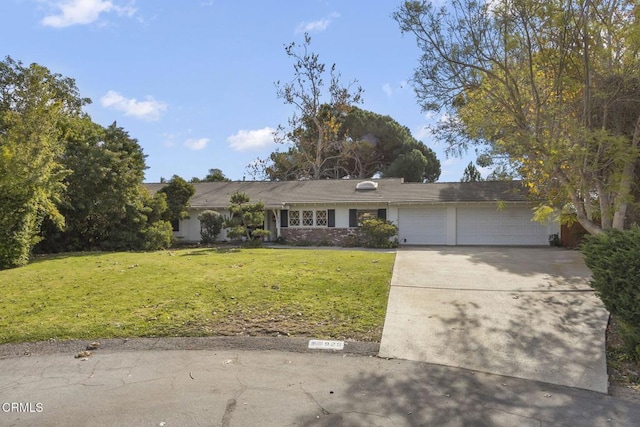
{"x": 284, "y": 218}
{"x": 353, "y": 217}
{"x": 331, "y": 218}
{"x": 382, "y": 214}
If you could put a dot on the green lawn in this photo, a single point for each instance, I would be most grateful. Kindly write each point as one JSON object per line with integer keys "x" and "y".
{"x": 336, "y": 294}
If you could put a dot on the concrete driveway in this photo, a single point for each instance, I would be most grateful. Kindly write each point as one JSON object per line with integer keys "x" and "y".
{"x": 521, "y": 312}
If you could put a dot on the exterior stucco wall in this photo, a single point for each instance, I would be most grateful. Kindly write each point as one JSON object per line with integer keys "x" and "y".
{"x": 189, "y": 231}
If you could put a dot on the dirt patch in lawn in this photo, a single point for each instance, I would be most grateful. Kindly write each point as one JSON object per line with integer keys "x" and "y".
{"x": 293, "y": 325}
{"x": 624, "y": 374}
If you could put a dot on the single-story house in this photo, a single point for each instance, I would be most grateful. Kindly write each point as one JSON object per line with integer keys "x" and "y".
{"x": 329, "y": 211}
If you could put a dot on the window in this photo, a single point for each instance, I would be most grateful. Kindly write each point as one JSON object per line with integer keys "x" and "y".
{"x": 307, "y": 218}
{"x": 321, "y": 218}
{"x": 294, "y": 218}
{"x": 175, "y": 224}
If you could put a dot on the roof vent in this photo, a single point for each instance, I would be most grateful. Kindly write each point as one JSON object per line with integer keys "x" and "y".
{"x": 366, "y": 185}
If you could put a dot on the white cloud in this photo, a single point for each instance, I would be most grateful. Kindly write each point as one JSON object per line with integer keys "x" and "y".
{"x": 390, "y": 89}
{"x": 386, "y": 88}
{"x": 315, "y": 26}
{"x": 149, "y": 109}
{"x": 196, "y": 144}
{"x": 422, "y": 132}
{"x": 251, "y": 139}
{"x": 82, "y": 12}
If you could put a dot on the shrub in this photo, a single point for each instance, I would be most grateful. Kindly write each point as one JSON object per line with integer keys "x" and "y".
{"x": 210, "y": 226}
{"x": 377, "y": 233}
{"x": 246, "y": 219}
{"x": 157, "y": 236}
{"x": 17, "y": 238}
{"x": 614, "y": 260}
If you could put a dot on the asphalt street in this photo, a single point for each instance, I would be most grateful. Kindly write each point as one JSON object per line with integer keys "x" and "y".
{"x": 274, "y": 382}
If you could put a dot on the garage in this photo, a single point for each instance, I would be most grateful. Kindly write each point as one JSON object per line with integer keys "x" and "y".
{"x": 492, "y": 226}
{"x": 422, "y": 226}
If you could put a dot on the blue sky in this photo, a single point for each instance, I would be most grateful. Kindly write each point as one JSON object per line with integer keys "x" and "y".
{"x": 193, "y": 80}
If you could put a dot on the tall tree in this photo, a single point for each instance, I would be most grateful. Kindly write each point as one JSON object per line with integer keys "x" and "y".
{"x": 375, "y": 142}
{"x": 370, "y": 144}
{"x": 33, "y": 103}
{"x": 537, "y": 83}
{"x": 104, "y": 203}
{"x": 313, "y": 127}
{"x": 410, "y": 166}
{"x": 471, "y": 174}
{"x": 178, "y": 192}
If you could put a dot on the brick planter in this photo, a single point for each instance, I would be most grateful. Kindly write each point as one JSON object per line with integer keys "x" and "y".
{"x": 320, "y": 236}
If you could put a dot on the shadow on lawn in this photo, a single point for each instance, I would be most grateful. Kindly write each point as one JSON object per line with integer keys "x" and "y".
{"x": 66, "y": 255}
{"x": 209, "y": 251}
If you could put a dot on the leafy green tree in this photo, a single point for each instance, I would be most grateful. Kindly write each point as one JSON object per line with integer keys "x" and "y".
{"x": 246, "y": 219}
{"x": 103, "y": 190}
{"x": 178, "y": 192}
{"x": 33, "y": 103}
{"x": 104, "y": 204}
{"x": 280, "y": 166}
{"x": 551, "y": 87}
{"x": 410, "y": 166}
{"x": 135, "y": 228}
{"x": 211, "y": 223}
{"x": 471, "y": 174}
{"x": 214, "y": 175}
{"x": 374, "y": 141}
{"x": 367, "y": 144}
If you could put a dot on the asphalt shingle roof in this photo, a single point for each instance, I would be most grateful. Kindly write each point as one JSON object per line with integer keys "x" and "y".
{"x": 274, "y": 194}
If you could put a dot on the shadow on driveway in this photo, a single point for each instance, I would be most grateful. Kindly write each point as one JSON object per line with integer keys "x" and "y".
{"x": 521, "y": 312}
{"x": 438, "y": 395}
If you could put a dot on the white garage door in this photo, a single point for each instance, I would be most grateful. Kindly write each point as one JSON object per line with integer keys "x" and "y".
{"x": 490, "y": 226}
{"x": 423, "y": 226}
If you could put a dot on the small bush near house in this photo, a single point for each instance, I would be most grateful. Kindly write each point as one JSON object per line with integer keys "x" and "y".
{"x": 614, "y": 260}
{"x": 246, "y": 220}
{"x": 377, "y": 233}
{"x": 158, "y": 235}
{"x": 210, "y": 226}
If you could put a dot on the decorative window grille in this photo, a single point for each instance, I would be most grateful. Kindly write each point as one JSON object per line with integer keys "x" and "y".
{"x": 321, "y": 218}
{"x": 307, "y": 218}
{"x": 294, "y": 218}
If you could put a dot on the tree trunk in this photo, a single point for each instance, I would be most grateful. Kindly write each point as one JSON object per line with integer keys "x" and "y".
{"x": 581, "y": 213}
{"x": 626, "y": 181}
{"x": 606, "y": 219}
